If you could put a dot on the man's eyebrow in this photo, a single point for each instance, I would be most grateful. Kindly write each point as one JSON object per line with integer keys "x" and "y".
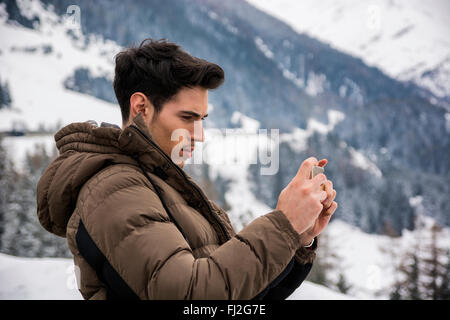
{"x": 192, "y": 113}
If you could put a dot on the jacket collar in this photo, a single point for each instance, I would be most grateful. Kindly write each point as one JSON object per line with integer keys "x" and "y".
{"x": 137, "y": 141}
{"x": 134, "y": 145}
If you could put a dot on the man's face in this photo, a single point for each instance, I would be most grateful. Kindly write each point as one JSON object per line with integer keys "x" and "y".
{"x": 184, "y": 111}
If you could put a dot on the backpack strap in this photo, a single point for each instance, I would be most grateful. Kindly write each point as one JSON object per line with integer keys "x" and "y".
{"x": 116, "y": 287}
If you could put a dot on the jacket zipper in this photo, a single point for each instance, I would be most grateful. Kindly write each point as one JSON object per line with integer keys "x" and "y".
{"x": 222, "y": 230}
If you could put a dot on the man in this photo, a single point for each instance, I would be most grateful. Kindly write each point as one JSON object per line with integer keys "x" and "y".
{"x": 139, "y": 227}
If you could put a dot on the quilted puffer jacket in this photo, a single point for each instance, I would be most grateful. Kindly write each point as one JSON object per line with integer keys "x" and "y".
{"x": 156, "y": 228}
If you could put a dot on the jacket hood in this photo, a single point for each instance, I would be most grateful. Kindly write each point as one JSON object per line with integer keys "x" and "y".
{"x": 84, "y": 150}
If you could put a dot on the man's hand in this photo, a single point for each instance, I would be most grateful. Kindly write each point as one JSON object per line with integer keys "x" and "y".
{"x": 301, "y": 200}
{"x": 329, "y": 207}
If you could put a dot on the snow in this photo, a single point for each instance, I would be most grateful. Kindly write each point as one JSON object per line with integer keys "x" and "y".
{"x": 312, "y": 291}
{"x": 362, "y": 262}
{"x": 226, "y": 23}
{"x": 263, "y": 47}
{"x": 316, "y": 84}
{"x": 248, "y": 124}
{"x": 28, "y": 73}
{"x": 365, "y": 263}
{"x": 359, "y": 160}
{"x": 402, "y": 38}
{"x": 297, "y": 139}
{"x": 17, "y": 147}
{"x": 334, "y": 117}
{"x": 37, "y": 278}
{"x": 447, "y": 122}
{"x": 229, "y": 153}
{"x": 365, "y": 266}
{"x": 54, "y": 279}
{"x": 290, "y": 76}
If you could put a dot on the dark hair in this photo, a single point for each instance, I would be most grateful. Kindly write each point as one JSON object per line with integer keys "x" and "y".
{"x": 159, "y": 69}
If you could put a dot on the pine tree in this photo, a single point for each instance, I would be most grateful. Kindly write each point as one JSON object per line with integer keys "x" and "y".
{"x": 23, "y": 235}
{"x": 444, "y": 287}
{"x": 435, "y": 266}
{"x": 3, "y": 189}
{"x": 395, "y": 294}
{"x": 5, "y": 96}
{"x": 425, "y": 268}
{"x": 412, "y": 282}
{"x": 326, "y": 261}
{"x": 389, "y": 248}
{"x": 342, "y": 284}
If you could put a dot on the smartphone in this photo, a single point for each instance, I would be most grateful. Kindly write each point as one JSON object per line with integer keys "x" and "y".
{"x": 315, "y": 171}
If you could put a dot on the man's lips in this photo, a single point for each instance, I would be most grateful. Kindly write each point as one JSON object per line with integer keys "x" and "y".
{"x": 187, "y": 151}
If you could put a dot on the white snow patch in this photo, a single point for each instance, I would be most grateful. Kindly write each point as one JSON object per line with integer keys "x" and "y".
{"x": 316, "y": 84}
{"x": 313, "y": 291}
{"x": 37, "y": 279}
{"x": 334, "y": 117}
{"x": 361, "y": 161}
{"x": 263, "y": 48}
{"x": 54, "y": 279}
{"x": 447, "y": 121}
{"x": 414, "y": 33}
{"x": 37, "y": 91}
{"x": 292, "y": 77}
{"x": 229, "y": 154}
{"x": 298, "y": 137}
{"x": 17, "y": 147}
{"x": 364, "y": 262}
{"x": 248, "y": 124}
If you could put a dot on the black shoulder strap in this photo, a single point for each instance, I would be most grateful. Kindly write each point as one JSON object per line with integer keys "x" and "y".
{"x": 116, "y": 287}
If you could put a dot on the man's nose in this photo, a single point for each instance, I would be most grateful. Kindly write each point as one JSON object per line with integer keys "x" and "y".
{"x": 199, "y": 134}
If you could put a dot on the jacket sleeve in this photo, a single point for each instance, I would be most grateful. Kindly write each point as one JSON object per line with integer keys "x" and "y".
{"x": 153, "y": 258}
{"x": 292, "y": 276}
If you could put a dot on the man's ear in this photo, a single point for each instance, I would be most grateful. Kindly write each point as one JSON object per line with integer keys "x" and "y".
{"x": 140, "y": 103}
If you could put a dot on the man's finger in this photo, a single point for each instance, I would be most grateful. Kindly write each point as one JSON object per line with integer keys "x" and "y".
{"x": 319, "y": 180}
{"x": 328, "y": 187}
{"x": 331, "y": 194}
{"x": 304, "y": 172}
{"x": 323, "y": 163}
{"x": 331, "y": 209}
{"x": 321, "y": 195}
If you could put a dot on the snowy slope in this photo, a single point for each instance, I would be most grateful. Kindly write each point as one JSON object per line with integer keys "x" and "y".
{"x": 367, "y": 260}
{"x": 367, "y": 268}
{"x": 17, "y": 147}
{"x": 24, "y": 62}
{"x": 52, "y": 278}
{"x": 37, "y": 278}
{"x": 404, "y": 38}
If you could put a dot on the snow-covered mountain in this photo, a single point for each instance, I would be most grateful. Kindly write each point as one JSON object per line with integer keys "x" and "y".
{"x": 39, "y": 63}
{"x": 34, "y": 59}
{"x": 407, "y": 39}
